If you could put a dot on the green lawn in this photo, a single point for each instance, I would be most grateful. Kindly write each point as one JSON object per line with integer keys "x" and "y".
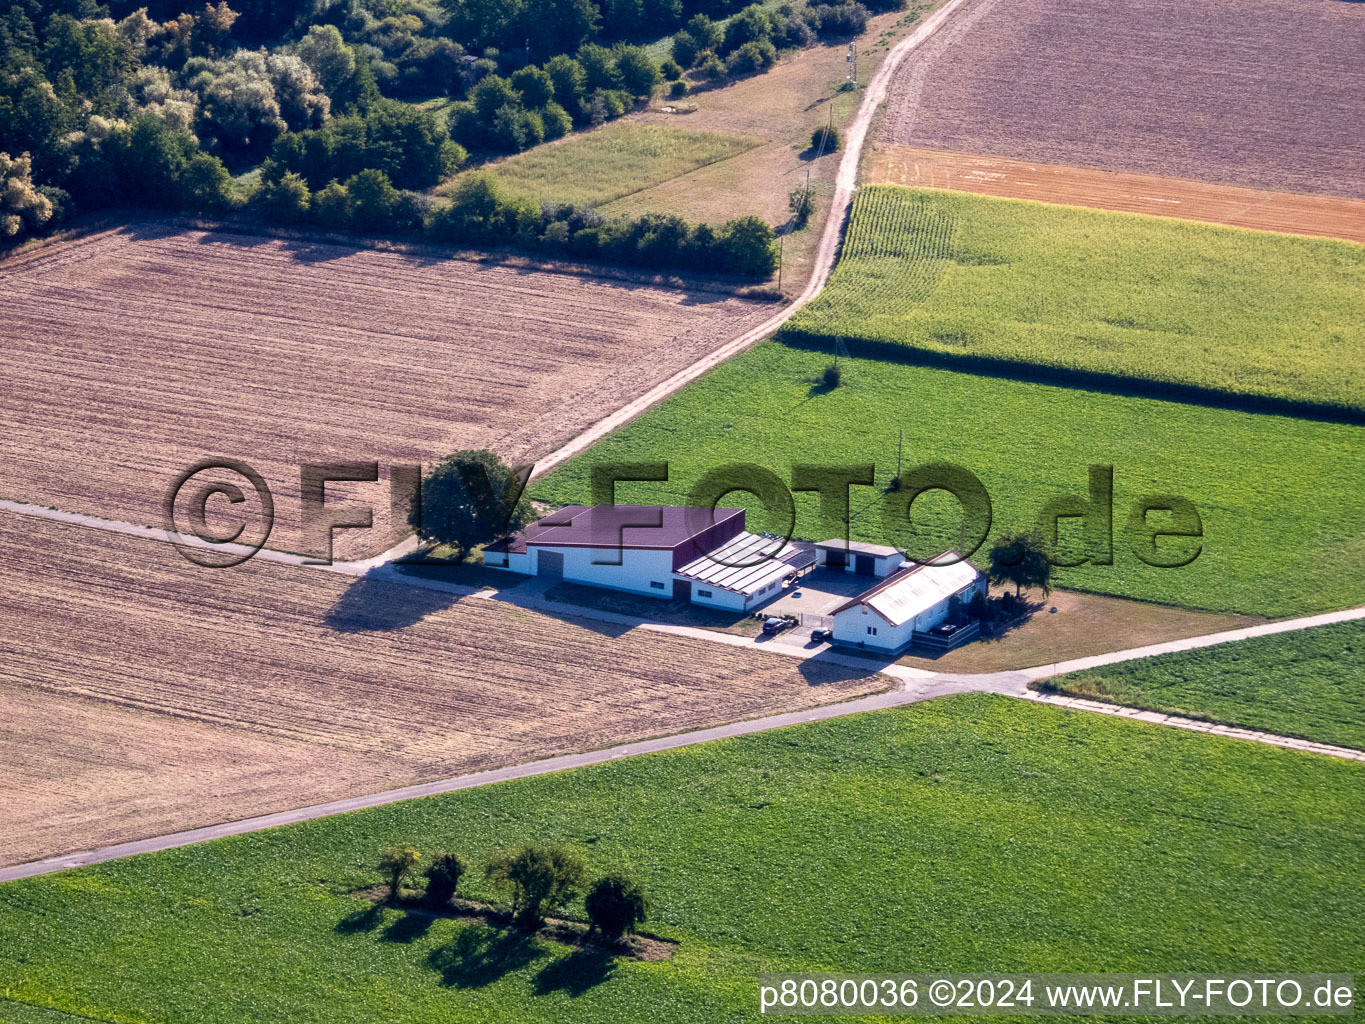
{"x": 597, "y": 167}
{"x": 1279, "y": 497}
{"x": 978, "y": 833}
{"x": 1248, "y": 312}
{"x": 1309, "y": 683}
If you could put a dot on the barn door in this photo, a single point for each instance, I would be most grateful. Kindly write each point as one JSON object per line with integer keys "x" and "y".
{"x": 551, "y": 564}
{"x": 865, "y": 565}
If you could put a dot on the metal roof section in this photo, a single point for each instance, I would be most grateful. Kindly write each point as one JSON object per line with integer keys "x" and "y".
{"x": 636, "y": 527}
{"x": 915, "y": 588}
{"x": 746, "y": 563}
{"x": 880, "y": 550}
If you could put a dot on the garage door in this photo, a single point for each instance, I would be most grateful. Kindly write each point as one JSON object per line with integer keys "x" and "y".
{"x": 550, "y": 563}
{"x": 865, "y": 565}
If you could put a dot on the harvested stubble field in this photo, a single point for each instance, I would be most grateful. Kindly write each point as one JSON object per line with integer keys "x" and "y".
{"x": 132, "y": 354}
{"x": 1325, "y": 216}
{"x": 1266, "y": 94}
{"x": 144, "y": 695}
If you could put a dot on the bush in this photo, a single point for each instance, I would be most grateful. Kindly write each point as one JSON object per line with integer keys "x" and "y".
{"x": 636, "y": 70}
{"x": 616, "y": 905}
{"x": 478, "y": 213}
{"x": 539, "y": 879}
{"x": 556, "y": 120}
{"x": 375, "y": 205}
{"x": 670, "y": 70}
{"x": 752, "y": 58}
{"x": 825, "y": 139}
{"x": 801, "y": 203}
{"x": 677, "y": 89}
{"x": 443, "y": 878}
{"x": 396, "y": 863}
{"x": 686, "y": 49}
{"x": 534, "y": 86}
{"x": 332, "y": 207}
{"x": 282, "y": 202}
{"x": 846, "y": 19}
{"x": 833, "y": 376}
{"x": 713, "y": 67}
{"x": 745, "y": 248}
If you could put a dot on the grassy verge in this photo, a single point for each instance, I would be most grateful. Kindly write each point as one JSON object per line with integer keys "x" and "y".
{"x": 597, "y": 167}
{"x": 1309, "y": 684}
{"x": 974, "y": 834}
{"x": 1284, "y": 529}
{"x": 1147, "y": 298}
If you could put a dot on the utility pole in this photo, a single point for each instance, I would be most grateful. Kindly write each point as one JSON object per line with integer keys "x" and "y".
{"x": 852, "y": 59}
{"x": 900, "y": 445}
{"x": 781, "y": 241}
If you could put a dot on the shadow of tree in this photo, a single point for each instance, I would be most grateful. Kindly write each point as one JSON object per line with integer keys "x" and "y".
{"x": 366, "y": 920}
{"x": 481, "y": 955}
{"x": 381, "y": 606}
{"x": 408, "y": 928}
{"x": 576, "y": 973}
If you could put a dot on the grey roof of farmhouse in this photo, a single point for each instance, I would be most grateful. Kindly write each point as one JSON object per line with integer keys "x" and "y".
{"x": 649, "y": 527}
{"x": 839, "y": 544}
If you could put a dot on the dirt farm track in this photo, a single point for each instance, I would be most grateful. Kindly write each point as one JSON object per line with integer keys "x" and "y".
{"x": 1266, "y": 94}
{"x": 132, "y": 354}
{"x": 145, "y": 695}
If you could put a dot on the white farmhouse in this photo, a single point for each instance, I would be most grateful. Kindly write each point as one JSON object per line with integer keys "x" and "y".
{"x": 907, "y": 604}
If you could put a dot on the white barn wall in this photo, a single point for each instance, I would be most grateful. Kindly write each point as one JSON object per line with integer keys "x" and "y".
{"x": 637, "y": 569}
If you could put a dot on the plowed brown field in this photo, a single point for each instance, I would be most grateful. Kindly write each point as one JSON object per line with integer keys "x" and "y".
{"x": 1329, "y": 216}
{"x": 130, "y": 355}
{"x": 1267, "y": 94}
{"x": 143, "y": 694}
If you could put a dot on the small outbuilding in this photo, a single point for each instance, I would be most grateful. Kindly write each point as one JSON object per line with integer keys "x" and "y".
{"x": 907, "y": 604}
{"x": 877, "y": 560}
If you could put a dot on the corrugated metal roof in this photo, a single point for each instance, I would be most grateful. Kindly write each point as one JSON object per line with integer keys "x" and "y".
{"x": 744, "y": 564}
{"x": 914, "y": 589}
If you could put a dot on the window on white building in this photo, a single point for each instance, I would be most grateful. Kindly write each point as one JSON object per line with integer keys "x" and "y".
{"x": 703, "y": 593}
{"x": 656, "y": 584}
{"x": 871, "y": 630}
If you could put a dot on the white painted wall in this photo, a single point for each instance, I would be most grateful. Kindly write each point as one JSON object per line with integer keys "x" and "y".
{"x": 509, "y": 560}
{"x": 726, "y": 600}
{"x": 635, "y": 573}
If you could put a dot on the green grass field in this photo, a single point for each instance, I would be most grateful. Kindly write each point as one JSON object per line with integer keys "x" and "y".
{"x": 1247, "y": 312}
{"x": 597, "y": 167}
{"x": 978, "y": 833}
{"x": 1279, "y": 497}
{"x": 1309, "y": 683}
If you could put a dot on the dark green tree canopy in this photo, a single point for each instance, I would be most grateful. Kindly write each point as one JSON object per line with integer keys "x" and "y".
{"x": 470, "y": 498}
{"x": 616, "y": 905}
{"x": 539, "y": 879}
{"x": 1020, "y": 559}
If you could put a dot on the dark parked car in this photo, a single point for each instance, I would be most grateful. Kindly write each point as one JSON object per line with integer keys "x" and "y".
{"x": 821, "y": 636}
{"x": 773, "y": 625}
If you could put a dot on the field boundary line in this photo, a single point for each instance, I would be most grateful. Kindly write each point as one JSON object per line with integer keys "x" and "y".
{"x": 1192, "y": 724}
{"x": 845, "y": 184}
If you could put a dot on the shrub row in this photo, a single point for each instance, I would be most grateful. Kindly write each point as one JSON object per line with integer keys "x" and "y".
{"x": 481, "y": 214}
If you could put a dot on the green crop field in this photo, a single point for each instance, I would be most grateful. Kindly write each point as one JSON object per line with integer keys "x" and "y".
{"x": 1279, "y": 497}
{"x": 1309, "y": 683}
{"x": 978, "y": 833}
{"x": 1148, "y": 298}
{"x": 596, "y": 167}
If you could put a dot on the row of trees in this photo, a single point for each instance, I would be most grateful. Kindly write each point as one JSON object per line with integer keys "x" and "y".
{"x": 538, "y": 881}
{"x": 481, "y": 213}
